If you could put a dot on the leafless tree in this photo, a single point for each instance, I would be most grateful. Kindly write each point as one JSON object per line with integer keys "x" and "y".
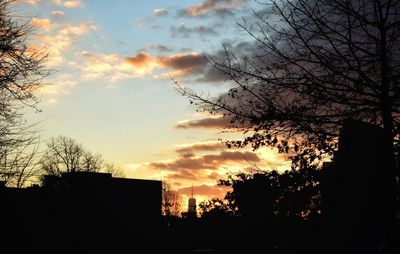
{"x": 171, "y": 200}
{"x": 113, "y": 169}
{"x": 64, "y": 155}
{"x": 18, "y": 161}
{"x": 22, "y": 68}
{"x": 313, "y": 65}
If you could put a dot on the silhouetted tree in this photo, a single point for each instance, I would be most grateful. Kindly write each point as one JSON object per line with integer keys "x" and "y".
{"x": 19, "y": 163}
{"x": 171, "y": 201}
{"x": 215, "y": 208}
{"x": 64, "y": 155}
{"x": 113, "y": 169}
{"x": 291, "y": 193}
{"x": 22, "y": 68}
{"x": 313, "y": 65}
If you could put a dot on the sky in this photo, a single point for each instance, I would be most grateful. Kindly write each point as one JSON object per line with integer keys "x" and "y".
{"x": 111, "y": 88}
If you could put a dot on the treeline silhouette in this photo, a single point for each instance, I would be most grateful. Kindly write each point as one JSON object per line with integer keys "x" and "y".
{"x": 343, "y": 207}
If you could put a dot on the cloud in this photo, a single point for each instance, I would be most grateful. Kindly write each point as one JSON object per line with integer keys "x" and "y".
{"x": 148, "y": 21}
{"x": 31, "y": 2}
{"x": 69, "y": 3}
{"x": 42, "y": 24}
{"x": 186, "y": 32}
{"x": 213, "y": 6}
{"x": 196, "y": 147}
{"x": 114, "y": 67}
{"x": 95, "y": 65}
{"x": 59, "y": 85}
{"x": 64, "y": 3}
{"x": 208, "y": 123}
{"x": 204, "y": 163}
{"x": 61, "y": 37}
{"x": 57, "y": 14}
{"x": 160, "y": 12}
{"x": 158, "y": 47}
{"x": 183, "y": 61}
{"x": 142, "y": 62}
{"x": 208, "y": 161}
{"x": 205, "y": 190}
{"x": 180, "y": 64}
{"x": 191, "y": 66}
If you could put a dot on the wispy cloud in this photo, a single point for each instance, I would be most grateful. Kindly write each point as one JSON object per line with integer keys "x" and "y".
{"x": 160, "y": 12}
{"x": 211, "y": 122}
{"x": 60, "y": 37}
{"x": 209, "y": 161}
{"x": 31, "y": 2}
{"x": 187, "y": 32}
{"x": 57, "y": 14}
{"x": 69, "y": 3}
{"x": 148, "y": 21}
{"x": 160, "y": 48}
{"x": 63, "y": 3}
{"x": 56, "y": 87}
{"x": 206, "y": 7}
{"x": 200, "y": 147}
{"x": 43, "y": 24}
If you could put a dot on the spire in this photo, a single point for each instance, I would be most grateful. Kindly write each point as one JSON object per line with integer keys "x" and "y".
{"x": 192, "y": 190}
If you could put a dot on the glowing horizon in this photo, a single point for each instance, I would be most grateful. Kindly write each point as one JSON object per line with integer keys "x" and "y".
{"x": 112, "y": 91}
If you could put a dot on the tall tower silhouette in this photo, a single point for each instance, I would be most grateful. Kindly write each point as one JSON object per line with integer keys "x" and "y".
{"x": 192, "y": 211}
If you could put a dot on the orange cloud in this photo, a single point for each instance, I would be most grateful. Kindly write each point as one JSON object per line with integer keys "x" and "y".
{"x": 31, "y": 2}
{"x": 64, "y": 3}
{"x": 42, "y": 24}
{"x": 96, "y": 65}
{"x": 208, "y": 6}
{"x": 60, "y": 38}
{"x": 204, "y": 163}
{"x": 196, "y": 147}
{"x": 205, "y": 190}
{"x": 208, "y": 123}
{"x": 209, "y": 161}
{"x": 184, "y": 63}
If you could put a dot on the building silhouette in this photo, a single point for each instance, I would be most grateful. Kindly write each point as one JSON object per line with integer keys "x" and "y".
{"x": 83, "y": 212}
{"x": 192, "y": 207}
{"x": 357, "y": 189}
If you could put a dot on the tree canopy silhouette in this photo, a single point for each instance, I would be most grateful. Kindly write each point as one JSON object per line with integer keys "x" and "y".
{"x": 313, "y": 65}
{"x": 291, "y": 193}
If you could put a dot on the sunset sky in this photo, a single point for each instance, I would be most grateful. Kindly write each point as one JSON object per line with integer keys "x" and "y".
{"x": 111, "y": 89}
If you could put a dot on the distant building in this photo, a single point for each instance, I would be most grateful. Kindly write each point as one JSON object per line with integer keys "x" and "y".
{"x": 192, "y": 208}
